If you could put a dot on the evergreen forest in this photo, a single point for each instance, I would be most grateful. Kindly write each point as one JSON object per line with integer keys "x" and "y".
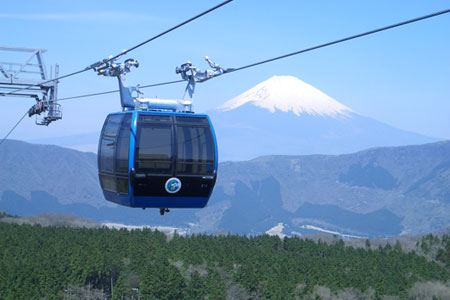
{"x": 39, "y": 262}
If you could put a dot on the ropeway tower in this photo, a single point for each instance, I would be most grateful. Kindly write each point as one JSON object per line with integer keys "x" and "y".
{"x": 24, "y": 74}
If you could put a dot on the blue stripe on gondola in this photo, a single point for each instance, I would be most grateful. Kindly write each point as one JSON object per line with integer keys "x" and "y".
{"x": 132, "y": 153}
{"x": 216, "y": 152}
{"x": 157, "y": 202}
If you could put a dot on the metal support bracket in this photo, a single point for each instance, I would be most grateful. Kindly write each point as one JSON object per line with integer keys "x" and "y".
{"x": 192, "y": 75}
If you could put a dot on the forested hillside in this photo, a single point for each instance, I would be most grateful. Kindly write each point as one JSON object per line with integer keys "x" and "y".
{"x": 80, "y": 263}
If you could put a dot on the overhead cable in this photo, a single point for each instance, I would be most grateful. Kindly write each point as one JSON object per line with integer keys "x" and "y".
{"x": 14, "y": 127}
{"x": 291, "y": 54}
{"x": 123, "y": 52}
{"x": 342, "y": 40}
{"x": 171, "y": 29}
{"x": 116, "y": 91}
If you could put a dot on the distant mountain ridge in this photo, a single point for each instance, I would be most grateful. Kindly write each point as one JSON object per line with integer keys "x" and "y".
{"x": 284, "y": 115}
{"x": 86, "y": 142}
{"x": 378, "y": 192}
{"x": 68, "y": 174}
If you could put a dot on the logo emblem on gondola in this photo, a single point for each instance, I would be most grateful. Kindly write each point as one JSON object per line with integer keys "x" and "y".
{"x": 173, "y": 185}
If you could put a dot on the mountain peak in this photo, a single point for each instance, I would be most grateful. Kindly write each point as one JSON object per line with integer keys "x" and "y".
{"x": 288, "y": 93}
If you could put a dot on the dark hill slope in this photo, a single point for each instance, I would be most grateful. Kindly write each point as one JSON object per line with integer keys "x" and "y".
{"x": 376, "y": 192}
{"x": 412, "y": 182}
{"x": 68, "y": 175}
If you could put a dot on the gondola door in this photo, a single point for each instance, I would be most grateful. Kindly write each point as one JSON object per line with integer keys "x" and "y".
{"x": 153, "y": 158}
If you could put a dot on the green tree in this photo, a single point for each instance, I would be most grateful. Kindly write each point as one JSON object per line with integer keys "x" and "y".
{"x": 195, "y": 289}
{"x": 161, "y": 281}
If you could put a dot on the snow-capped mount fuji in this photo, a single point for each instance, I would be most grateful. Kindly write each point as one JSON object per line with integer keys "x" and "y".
{"x": 286, "y": 116}
{"x": 288, "y": 94}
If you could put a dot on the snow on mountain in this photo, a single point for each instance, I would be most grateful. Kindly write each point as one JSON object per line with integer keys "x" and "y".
{"x": 288, "y": 93}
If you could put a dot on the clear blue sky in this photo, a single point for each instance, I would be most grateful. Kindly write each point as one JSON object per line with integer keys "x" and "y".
{"x": 400, "y": 77}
